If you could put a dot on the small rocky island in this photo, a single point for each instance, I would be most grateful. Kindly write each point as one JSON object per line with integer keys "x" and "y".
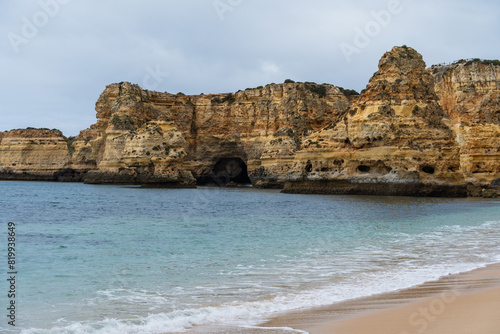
{"x": 413, "y": 131}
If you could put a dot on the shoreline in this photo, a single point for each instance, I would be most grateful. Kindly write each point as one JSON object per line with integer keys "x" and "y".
{"x": 468, "y": 302}
{"x": 331, "y": 188}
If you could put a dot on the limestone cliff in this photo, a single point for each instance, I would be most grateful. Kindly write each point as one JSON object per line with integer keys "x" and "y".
{"x": 157, "y": 137}
{"x": 469, "y": 92}
{"x": 412, "y": 131}
{"x": 34, "y": 154}
{"x": 395, "y": 139}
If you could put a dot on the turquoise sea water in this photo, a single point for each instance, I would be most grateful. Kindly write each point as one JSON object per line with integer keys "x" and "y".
{"x": 118, "y": 259}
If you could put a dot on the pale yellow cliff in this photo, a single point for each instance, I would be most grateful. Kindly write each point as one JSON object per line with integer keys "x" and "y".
{"x": 395, "y": 139}
{"x": 412, "y": 131}
{"x": 140, "y": 133}
{"x": 469, "y": 92}
{"x": 33, "y": 154}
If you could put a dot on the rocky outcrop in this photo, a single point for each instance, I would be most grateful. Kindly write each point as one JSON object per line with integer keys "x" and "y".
{"x": 493, "y": 190}
{"x": 394, "y": 140}
{"x": 34, "y": 154}
{"x": 150, "y": 137}
{"x": 413, "y": 131}
{"x": 469, "y": 92}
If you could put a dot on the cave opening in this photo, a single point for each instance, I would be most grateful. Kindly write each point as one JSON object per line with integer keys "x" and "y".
{"x": 227, "y": 172}
{"x": 428, "y": 169}
{"x": 309, "y": 166}
{"x": 364, "y": 168}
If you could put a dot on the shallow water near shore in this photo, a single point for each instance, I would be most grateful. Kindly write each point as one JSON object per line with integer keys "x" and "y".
{"x": 121, "y": 259}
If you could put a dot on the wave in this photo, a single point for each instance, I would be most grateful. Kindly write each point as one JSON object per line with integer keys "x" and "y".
{"x": 252, "y": 313}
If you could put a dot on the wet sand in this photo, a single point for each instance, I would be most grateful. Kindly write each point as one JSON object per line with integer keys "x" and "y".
{"x": 463, "y": 303}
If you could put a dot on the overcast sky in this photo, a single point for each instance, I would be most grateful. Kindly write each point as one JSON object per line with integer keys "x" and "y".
{"x": 57, "y": 56}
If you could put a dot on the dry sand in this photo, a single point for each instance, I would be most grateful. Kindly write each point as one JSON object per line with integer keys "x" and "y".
{"x": 458, "y": 304}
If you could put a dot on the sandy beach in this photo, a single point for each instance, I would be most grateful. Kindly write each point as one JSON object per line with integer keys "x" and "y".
{"x": 458, "y": 304}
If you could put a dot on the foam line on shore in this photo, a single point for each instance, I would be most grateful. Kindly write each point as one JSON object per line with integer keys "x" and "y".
{"x": 470, "y": 300}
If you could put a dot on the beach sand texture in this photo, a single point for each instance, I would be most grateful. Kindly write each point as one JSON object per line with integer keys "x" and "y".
{"x": 467, "y": 303}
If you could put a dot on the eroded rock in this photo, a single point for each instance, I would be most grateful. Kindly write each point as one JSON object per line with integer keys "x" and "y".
{"x": 412, "y": 131}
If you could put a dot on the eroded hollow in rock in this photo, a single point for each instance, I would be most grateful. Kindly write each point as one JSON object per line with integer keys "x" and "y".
{"x": 227, "y": 171}
{"x": 309, "y": 166}
{"x": 428, "y": 169}
{"x": 364, "y": 169}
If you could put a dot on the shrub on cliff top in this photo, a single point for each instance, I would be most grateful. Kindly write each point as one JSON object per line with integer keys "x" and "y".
{"x": 348, "y": 92}
{"x": 228, "y": 98}
{"x": 471, "y": 61}
{"x": 258, "y": 87}
{"x": 315, "y": 88}
{"x": 495, "y": 62}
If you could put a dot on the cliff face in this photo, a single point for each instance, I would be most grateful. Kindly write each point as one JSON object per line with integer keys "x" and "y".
{"x": 157, "y": 137}
{"x": 413, "y": 131}
{"x": 394, "y": 140}
{"x": 34, "y": 154}
{"x": 469, "y": 92}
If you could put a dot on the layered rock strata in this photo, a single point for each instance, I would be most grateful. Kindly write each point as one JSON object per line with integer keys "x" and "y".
{"x": 469, "y": 92}
{"x": 34, "y": 155}
{"x": 413, "y": 131}
{"x": 394, "y": 140}
{"x": 150, "y": 137}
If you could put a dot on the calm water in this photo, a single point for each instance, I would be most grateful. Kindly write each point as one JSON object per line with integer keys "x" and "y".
{"x": 117, "y": 259}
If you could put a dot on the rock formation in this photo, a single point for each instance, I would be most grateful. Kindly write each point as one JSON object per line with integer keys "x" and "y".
{"x": 160, "y": 138}
{"x": 413, "y": 131}
{"x": 394, "y": 140}
{"x": 469, "y": 93}
{"x": 493, "y": 190}
{"x": 34, "y": 154}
